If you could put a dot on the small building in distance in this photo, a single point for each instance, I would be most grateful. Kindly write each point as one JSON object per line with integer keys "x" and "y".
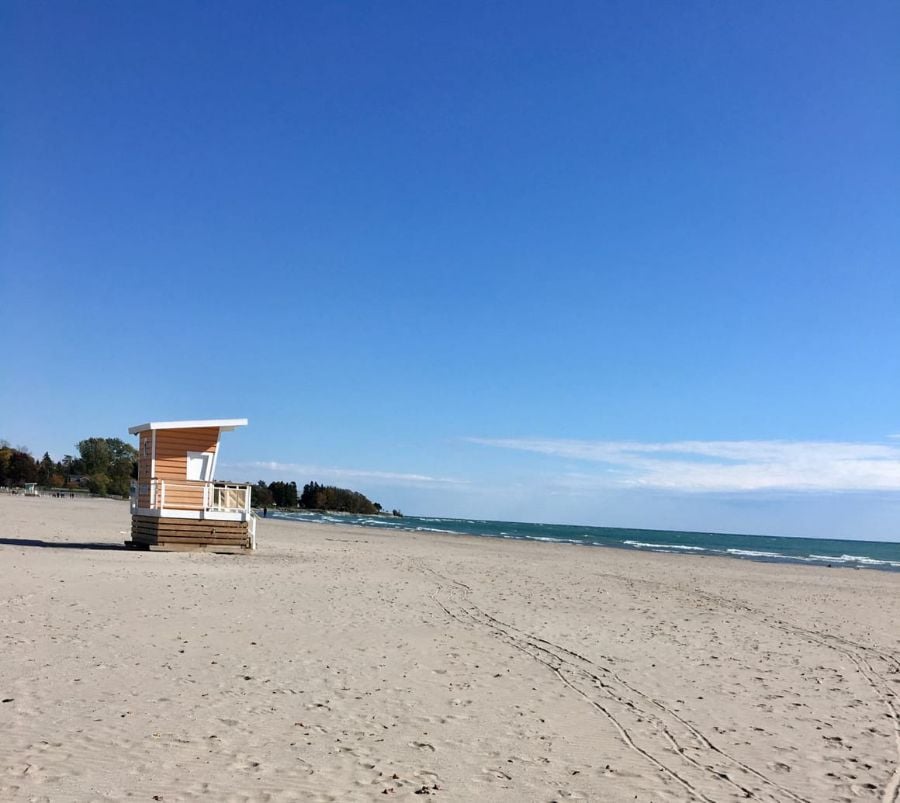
{"x": 175, "y": 503}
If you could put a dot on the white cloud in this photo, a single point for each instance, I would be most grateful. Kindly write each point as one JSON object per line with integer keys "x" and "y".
{"x": 735, "y": 466}
{"x": 334, "y": 473}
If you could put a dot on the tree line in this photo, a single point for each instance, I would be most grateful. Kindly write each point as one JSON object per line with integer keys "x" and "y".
{"x": 103, "y": 465}
{"x": 106, "y": 466}
{"x": 313, "y": 497}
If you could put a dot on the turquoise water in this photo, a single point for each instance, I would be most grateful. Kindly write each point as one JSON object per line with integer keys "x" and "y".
{"x": 769, "y": 548}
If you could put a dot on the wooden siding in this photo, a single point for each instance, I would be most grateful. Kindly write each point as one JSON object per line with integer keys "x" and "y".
{"x": 150, "y": 531}
{"x": 186, "y": 497}
{"x": 145, "y": 464}
{"x": 172, "y": 446}
{"x": 145, "y": 455}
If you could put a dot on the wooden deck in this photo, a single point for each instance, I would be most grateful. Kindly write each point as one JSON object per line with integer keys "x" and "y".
{"x": 179, "y": 535}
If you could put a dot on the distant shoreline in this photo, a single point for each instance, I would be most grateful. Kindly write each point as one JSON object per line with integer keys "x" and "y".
{"x": 383, "y": 515}
{"x": 825, "y": 553}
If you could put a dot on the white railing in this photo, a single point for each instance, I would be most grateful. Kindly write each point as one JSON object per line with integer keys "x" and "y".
{"x": 230, "y": 497}
{"x": 220, "y": 497}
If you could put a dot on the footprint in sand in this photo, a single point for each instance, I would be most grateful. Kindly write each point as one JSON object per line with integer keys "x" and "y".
{"x": 494, "y": 772}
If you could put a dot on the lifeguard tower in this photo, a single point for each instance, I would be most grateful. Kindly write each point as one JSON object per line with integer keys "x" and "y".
{"x": 175, "y": 503}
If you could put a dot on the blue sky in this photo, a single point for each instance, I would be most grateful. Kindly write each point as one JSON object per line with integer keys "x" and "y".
{"x": 625, "y": 263}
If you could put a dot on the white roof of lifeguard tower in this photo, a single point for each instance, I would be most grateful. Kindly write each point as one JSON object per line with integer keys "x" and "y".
{"x": 224, "y": 424}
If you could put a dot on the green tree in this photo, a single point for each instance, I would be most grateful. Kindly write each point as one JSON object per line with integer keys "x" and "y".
{"x": 70, "y": 466}
{"x": 328, "y": 497}
{"x": 284, "y": 493}
{"x": 22, "y": 468}
{"x": 98, "y": 484}
{"x": 110, "y": 464}
{"x": 95, "y": 455}
{"x": 260, "y": 495}
{"x": 46, "y": 469}
{"x": 313, "y": 496}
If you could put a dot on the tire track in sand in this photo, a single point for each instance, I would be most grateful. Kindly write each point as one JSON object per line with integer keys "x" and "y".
{"x": 862, "y": 656}
{"x": 661, "y": 736}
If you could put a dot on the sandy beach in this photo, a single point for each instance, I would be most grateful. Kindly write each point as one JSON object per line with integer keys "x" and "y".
{"x": 338, "y": 663}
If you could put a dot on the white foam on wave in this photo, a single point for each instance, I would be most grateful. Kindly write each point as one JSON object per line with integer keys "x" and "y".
{"x": 753, "y": 553}
{"x": 435, "y": 530}
{"x": 380, "y": 523}
{"x": 554, "y": 540}
{"x": 514, "y": 537}
{"x": 645, "y": 545}
{"x": 856, "y": 559}
{"x": 833, "y": 558}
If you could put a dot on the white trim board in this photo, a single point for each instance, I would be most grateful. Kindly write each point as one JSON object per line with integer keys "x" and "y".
{"x": 224, "y": 424}
{"x": 200, "y": 515}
